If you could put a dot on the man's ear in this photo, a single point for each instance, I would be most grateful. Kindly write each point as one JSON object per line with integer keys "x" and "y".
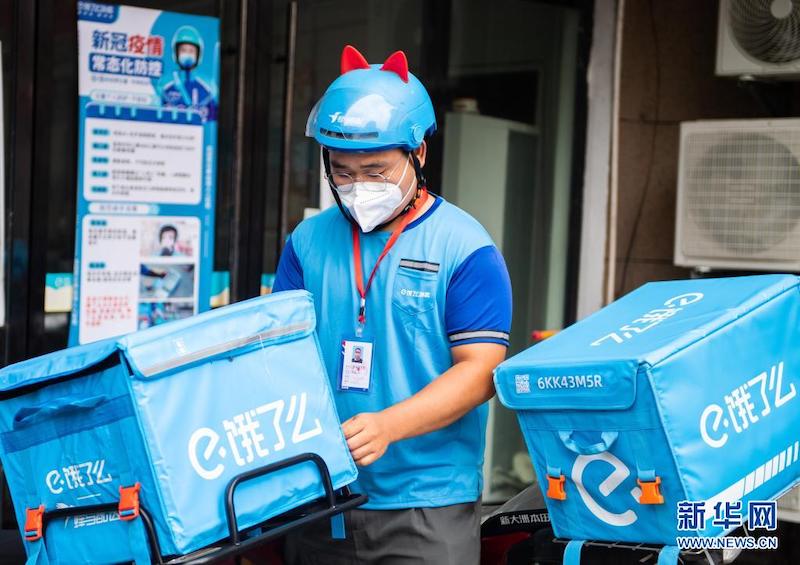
{"x": 421, "y": 152}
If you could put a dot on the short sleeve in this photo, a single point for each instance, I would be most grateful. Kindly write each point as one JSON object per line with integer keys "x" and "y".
{"x": 290, "y": 272}
{"x": 478, "y": 303}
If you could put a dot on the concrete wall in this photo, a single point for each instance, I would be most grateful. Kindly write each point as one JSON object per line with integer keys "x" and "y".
{"x": 667, "y": 76}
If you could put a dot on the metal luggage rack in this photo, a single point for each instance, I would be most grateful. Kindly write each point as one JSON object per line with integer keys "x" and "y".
{"x": 238, "y": 542}
{"x": 687, "y": 556}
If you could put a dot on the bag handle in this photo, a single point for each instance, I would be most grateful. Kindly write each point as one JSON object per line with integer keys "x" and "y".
{"x": 569, "y": 441}
{"x": 64, "y": 405}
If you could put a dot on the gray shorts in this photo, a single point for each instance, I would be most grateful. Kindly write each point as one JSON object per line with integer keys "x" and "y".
{"x": 449, "y": 535}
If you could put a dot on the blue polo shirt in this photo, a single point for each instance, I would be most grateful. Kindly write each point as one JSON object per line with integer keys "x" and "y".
{"x": 442, "y": 285}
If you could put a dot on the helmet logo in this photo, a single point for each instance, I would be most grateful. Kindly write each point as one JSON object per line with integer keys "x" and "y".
{"x": 347, "y": 120}
{"x": 371, "y": 109}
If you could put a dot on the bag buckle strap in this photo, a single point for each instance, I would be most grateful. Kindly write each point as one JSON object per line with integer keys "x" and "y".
{"x": 651, "y": 491}
{"x": 129, "y": 502}
{"x": 34, "y": 520}
{"x": 555, "y": 487}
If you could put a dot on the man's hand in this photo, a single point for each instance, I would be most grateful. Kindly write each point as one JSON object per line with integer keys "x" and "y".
{"x": 367, "y": 436}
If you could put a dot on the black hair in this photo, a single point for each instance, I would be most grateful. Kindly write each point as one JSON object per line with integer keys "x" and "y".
{"x": 165, "y": 229}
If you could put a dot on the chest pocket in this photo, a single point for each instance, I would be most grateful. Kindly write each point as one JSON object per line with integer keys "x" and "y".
{"x": 415, "y": 285}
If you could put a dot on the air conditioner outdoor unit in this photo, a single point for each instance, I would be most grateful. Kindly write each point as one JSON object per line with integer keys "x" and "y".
{"x": 739, "y": 195}
{"x": 759, "y": 38}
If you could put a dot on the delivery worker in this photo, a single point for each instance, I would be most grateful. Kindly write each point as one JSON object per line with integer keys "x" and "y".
{"x": 418, "y": 288}
{"x": 185, "y": 90}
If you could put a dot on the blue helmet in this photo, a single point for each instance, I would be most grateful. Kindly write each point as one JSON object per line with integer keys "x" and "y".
{"x": 187, "y": 34}
{"x": 372, "y": 107}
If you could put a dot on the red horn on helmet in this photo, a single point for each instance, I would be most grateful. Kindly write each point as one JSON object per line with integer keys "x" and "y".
{"x": 352, "y": 59}
{"x": 398, "y": 64}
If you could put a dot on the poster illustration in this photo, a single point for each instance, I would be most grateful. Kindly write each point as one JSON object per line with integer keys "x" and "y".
{"x": 149, "y": 83}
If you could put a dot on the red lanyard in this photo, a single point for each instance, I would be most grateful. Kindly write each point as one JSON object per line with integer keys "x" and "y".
{"x": 363, "y": 290}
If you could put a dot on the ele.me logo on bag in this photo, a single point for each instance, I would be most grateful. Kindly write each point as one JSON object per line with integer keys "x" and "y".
{"x": 651, "y": 319}
{"x": 747, "y": 404}
{"x": 77, "y": 476}
{"x": 245, "y": 439}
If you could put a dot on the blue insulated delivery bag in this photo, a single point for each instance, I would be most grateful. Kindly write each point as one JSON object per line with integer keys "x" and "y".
{"x": 680, "y": 392}
{"x": 181, "y": 409}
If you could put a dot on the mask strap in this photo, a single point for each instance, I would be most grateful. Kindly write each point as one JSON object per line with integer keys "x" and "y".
{"x": 326, "y": 162}
{"x": 421, "y": 184}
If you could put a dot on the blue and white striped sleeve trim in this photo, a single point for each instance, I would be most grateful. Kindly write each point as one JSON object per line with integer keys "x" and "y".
{"x": 478, "y": 336}
{"x": 478, "y": 304}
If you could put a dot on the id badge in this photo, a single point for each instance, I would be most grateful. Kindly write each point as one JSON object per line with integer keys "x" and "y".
{"x": 355, "y": 364}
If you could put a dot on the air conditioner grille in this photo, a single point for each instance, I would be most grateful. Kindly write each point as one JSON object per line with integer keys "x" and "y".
{"x": 767, "y": 30}
{"x": 742, "y": 195}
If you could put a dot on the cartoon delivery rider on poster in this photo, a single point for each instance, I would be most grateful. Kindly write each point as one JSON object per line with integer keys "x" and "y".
{"x": 185, "y": 90}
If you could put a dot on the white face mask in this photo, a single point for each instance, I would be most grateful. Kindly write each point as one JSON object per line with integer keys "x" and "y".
{"x": 372, "y": 203}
